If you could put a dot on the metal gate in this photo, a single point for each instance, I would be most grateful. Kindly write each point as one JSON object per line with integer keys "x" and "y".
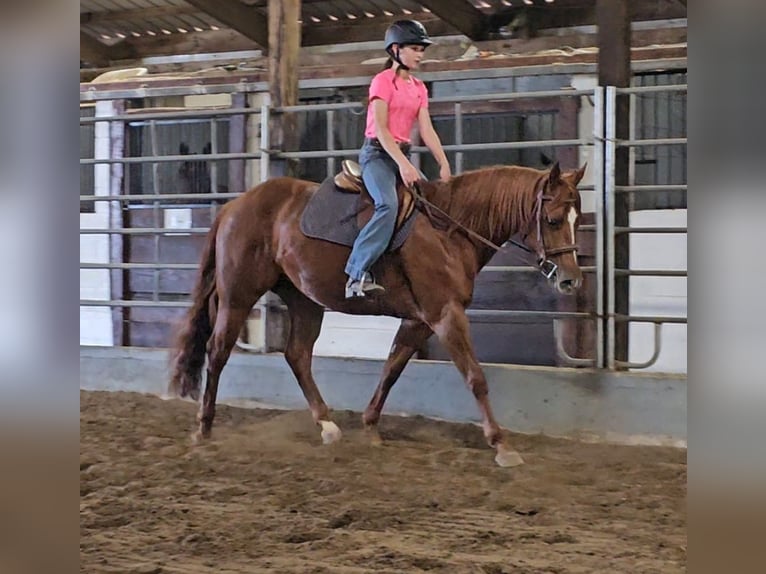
{"x": 219, "y": 164}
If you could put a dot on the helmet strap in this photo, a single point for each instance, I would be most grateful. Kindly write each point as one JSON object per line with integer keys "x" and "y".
{"x": 398, "y": 60}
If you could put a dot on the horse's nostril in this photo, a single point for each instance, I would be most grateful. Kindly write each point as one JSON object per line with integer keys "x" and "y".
{"x": 568, "y": 285}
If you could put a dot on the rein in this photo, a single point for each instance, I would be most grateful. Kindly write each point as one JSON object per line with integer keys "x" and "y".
{"x": 546, "y": 266}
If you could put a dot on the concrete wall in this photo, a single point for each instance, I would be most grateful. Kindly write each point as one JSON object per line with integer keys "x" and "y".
{"x": 620, "y": 407}
{"x": 96, "y": 322}
{"x": 659, "y": 296}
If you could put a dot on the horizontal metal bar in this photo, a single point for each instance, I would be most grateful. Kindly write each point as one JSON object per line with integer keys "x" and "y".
{"x": 169, "y": 158}
{"x": 176, "y": 114}
{"x": 139, "y": 265}
{"x": 95, "y": 92}
{"x": 650, "y": 230}
{"x": 648, "y": 319}
{"x": 523, "y": 268}
{"x": 652, "y": 142}
{"x": 320, "y": 153}
{"x": 161, "y": 197}
{"x": 498, "y": 96}
{"x": 197, "y": 196}
{"x": 624, "y": 188}
{"x": 651, "y": 273}
{"x": 319, "y": 107}
{"x": 450, "y": 147}
{"x": 145, "y": 231}
{"x": 515, "y": 145}
{"x": 327, "y": 153}
{"x": 652, "y": 89}
{"x": 471, "y": 312}
{"x": 120, "y": 303}
{"x": 516, "y": 313}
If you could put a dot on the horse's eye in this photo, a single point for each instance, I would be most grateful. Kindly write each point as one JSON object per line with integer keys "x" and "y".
{"x": 554, "y": 222}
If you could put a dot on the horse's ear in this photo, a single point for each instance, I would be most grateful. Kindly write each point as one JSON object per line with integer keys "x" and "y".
{"x": 555, "y": 173}
{"x": 183, "y": 149}
{"x": 580, "y": 173}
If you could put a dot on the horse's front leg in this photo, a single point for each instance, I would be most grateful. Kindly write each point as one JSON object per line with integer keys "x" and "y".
{"x": 452, "y": 328}
{"x": 407, "y": 341}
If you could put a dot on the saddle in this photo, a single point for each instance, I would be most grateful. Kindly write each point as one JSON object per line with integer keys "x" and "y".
{"x": 349, "y": 180}
{"x": 341, "y": 206}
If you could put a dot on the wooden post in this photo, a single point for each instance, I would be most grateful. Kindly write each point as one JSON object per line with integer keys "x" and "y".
{"x": 284, "y": 45}
{"x": 613, "y": 17}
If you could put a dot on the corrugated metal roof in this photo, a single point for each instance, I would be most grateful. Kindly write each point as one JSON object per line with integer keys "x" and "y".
{"x": 117, "y": 19}
{"x": 132, "y": 30}
{"x": 113, "y": 20}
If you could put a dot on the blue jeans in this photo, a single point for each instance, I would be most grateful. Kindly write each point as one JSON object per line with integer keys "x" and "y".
{"x": 379, "y": 173}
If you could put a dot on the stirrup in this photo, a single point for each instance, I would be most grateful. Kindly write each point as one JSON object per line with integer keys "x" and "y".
{"x": 361, "y": 287}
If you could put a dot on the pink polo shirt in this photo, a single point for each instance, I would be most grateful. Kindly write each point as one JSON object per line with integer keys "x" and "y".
{"x": 404, "y": 99}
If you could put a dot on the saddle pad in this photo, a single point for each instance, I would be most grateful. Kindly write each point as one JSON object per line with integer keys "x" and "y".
{"x": 331, "y": 215}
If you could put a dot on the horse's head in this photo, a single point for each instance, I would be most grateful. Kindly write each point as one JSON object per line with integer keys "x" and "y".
{"x": 554, "y": 226}
{"x": 194, "y": 175}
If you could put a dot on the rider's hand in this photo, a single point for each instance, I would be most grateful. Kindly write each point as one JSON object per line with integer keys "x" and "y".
{"x": 444, "y": 171}
{"x": 409, "y": 174}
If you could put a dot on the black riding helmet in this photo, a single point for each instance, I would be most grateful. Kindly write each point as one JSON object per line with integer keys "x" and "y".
{"x": 403, "y": 32}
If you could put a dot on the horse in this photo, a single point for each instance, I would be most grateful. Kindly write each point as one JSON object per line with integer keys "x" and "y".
{"x": 255, "y": 245}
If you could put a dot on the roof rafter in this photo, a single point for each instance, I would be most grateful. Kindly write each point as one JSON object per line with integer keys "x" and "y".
{"x": 99, "y": 54}
{"x": 135, "y": 14}
{"x": 324, "y": 33}
{"x": 244, "y": 19}
{"x": 462, "y": 15}
{"x": 529, "y": 19}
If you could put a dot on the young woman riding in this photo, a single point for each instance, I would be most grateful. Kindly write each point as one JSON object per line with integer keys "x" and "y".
{"x": 396, "y": 100}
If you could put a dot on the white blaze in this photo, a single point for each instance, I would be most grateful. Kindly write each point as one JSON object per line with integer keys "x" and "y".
{"x": 572, "y": 218}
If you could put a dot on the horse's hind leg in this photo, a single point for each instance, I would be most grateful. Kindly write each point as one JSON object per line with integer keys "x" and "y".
{"x": 235, "y": 297}
{"x": 305, "y": 324}
{"x": 407, "y": 341}
{"x": 228, "y": 324}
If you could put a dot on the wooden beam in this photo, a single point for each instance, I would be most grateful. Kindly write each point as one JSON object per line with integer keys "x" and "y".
{"x": 99, "y": 54}
{"x": 141, "y": 14}
{"x": 347, "y": 31}
{"x": 284, "y": 46}
{"x": 244, "y": 19}
{"x": 614, "y": 39}
{"x": 525, "y": 21}
{"x": 208, "y": 42}
{"x": 466, "y": 18}
{"x": 93, "y": 51}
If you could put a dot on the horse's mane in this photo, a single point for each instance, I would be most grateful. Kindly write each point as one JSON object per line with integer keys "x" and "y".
{"x": 492, "y": 201}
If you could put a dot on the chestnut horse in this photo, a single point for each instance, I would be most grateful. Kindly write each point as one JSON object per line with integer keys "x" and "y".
{"x": 256, "y": 245}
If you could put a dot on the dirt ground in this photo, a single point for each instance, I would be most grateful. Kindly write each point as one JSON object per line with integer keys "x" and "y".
{"x": 265, "y": 496}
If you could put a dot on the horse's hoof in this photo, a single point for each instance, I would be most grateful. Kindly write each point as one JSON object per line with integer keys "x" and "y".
{"x": 330, "y": 432}
{"x": 197, "y": 437}
{"x": 507, "y": 458}
{"x": 374, "y": 436}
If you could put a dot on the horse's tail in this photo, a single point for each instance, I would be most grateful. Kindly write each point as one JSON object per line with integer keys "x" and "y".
{"x": 188, "y": 356}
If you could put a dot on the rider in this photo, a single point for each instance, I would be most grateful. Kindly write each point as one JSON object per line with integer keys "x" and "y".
{"x": 396, "y": 100}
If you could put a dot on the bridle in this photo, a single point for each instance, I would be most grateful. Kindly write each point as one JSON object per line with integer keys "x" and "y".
{"x": 547, "y": 267}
